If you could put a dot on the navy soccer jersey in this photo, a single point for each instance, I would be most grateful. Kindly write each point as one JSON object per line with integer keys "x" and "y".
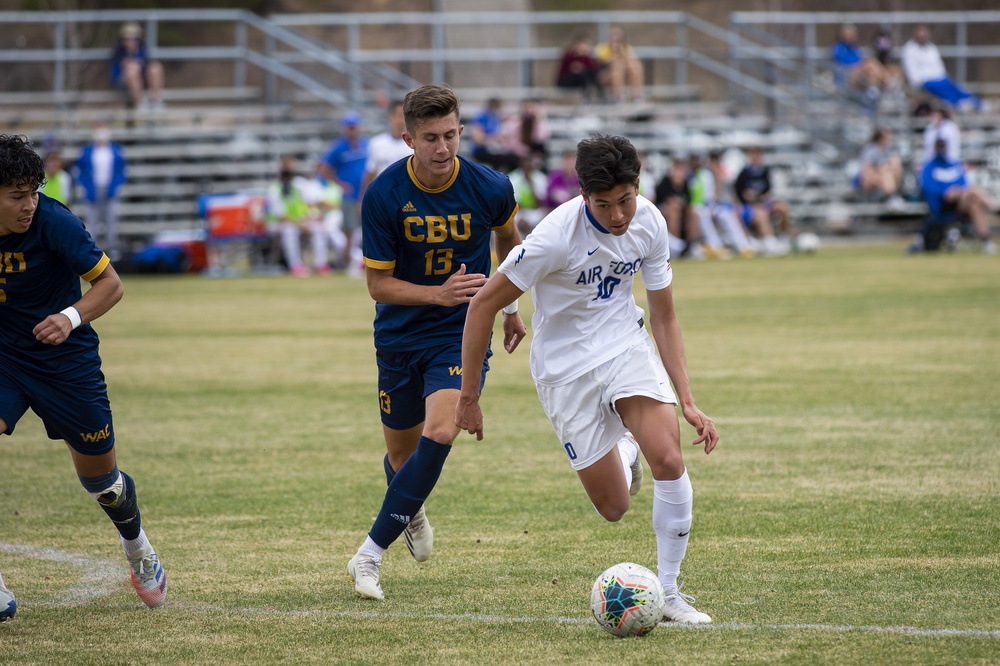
{"x": 424, "y": 236}
{"x": 40, "y": 273}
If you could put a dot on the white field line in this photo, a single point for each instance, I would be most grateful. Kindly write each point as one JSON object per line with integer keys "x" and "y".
{"x": 101, "y": 578}
{"x": 98, "y": 578}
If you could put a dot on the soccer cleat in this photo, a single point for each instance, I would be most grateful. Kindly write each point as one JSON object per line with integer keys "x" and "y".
{"x": 677, "y": 607}
{"x": 148, "y": 577}
{"x": 362, "y": 570}
{"x": 636, "y": 467}
{"x": 419, "y": 536}
{"x": 8, "y": 606}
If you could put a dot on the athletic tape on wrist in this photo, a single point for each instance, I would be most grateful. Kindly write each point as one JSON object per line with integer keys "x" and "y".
{"x": 73, "y": 315}
{"x": 510, "y": 309}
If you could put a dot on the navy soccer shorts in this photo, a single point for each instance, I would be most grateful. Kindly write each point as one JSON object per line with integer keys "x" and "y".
{"x": 405, "y": 379}
{"x": 76, "y": 410}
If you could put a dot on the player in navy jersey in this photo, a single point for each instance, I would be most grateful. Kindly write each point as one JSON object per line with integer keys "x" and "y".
{"x": 427, "y": 222}
{"x": 49, "y": 357}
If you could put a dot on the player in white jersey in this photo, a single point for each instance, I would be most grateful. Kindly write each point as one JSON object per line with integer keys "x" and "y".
{"x": 388, "y": 147}
{"x": 597, "y": 373}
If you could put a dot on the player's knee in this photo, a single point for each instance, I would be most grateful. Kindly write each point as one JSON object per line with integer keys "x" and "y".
{"x": 107, "y": 489}
{"x": 612, "y": 510}
{"x": 441, "y": 435}
{"x": 668, "y": 465}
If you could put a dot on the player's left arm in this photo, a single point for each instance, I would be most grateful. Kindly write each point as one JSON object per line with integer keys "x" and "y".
{"x": 508, "y": 238}
{"x": 670, "y": 343}
{"x": 105, "y": 291}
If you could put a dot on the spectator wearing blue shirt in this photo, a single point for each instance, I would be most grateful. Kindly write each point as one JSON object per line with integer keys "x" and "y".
{"x": 345, "y": 163}
{"x": 871, "y": 75}
{"x": 950, "y": 197}
{"x": 100, "y": 171}
{"x": 487, "y": 129}
{"x": 133, "y": 72}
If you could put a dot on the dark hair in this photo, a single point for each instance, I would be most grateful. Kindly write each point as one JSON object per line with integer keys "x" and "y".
{"x": 19, "y": 163}
{"x": 878, "y": 134}
{"x": 428, "y": 102}
{"x": 604, "y": 162}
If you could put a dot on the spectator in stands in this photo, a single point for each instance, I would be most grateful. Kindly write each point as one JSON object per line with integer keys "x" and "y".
{"x": 530, "y": 191}
{"x": 563, "y": 184}
{"x": 387, "y": 147}
{"x": 489, "y": 141}
{"x": 134, "y": 73}
{"x": 673, "y": 198}
{"x": 293, "y": 203}
{"x": 58, "y": 182}
{"x": 528, "y": 133}
{"x": 701, "y": 186}
{"x": 758, "y": 205}
{"x": 579, "y": 69}
{"x": 925, "y": 71}
{"x": 344, "y": 164}
{"x": 950, "y": 198}
{"x": 723, "y": 210}
{"x": 880, "y": 168}
{"x": 621, "y": 68}
{"x": 883, "y": 53}
{"x": 942, "y": 127}
{"x": 871, "y": 75}
{"x": 100, "y": 171}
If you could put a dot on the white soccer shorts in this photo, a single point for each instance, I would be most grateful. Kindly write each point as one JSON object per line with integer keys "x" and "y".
{"x": 582, "y": 411}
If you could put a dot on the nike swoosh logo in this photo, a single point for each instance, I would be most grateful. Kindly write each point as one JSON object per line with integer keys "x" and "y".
{"x": 684, "y": 534}
{"x": 593, "y": 251}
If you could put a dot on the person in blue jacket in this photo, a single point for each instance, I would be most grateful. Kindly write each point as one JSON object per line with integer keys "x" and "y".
{"x": 100, "y": 171}
{"x": 950, "y": 197}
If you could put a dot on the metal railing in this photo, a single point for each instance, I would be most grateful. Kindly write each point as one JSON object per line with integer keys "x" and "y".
{"x": 769, "y": 58}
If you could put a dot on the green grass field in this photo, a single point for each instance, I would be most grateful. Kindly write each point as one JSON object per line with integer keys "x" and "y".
{"x": 851, "y": 514}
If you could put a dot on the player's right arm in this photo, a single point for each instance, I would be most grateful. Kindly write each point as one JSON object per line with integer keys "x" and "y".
{"x": 105, "y": 291}
{"x": 498, "y": 292}
{"x": 459, "y": 288}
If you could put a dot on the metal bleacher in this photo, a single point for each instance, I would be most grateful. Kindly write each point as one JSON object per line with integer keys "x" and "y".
{"x": 287, "y": 79}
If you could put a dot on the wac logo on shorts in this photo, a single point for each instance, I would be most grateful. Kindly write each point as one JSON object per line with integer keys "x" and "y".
{"x": 92, "y": 437}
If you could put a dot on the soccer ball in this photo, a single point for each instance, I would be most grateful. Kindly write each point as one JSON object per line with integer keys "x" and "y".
{"x": 808, "y": 242}
{"x": 627, "y": 600}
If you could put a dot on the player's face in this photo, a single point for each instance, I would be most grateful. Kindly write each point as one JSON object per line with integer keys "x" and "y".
{"x": 17, "y": 207}
{"x": 613, "y": 209}
{"x": 435, "y": 144}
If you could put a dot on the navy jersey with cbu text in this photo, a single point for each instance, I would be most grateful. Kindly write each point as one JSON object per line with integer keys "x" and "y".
{"x": 40, "y": 273}
{"x": 424, "y": 236}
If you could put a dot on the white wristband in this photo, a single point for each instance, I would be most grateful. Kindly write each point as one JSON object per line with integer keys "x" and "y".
{"x": 73, "y": 315}
{"x": 510, "y": 309}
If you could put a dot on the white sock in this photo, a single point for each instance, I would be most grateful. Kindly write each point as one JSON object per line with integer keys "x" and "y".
{"x": 672, "y": 501}
{"x": 369, "y": 547}
{"x": 133, "y": 546}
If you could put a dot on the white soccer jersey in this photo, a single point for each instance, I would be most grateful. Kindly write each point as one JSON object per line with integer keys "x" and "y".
{"x": 385, "y": 149}
{"x": 581, "y": 280}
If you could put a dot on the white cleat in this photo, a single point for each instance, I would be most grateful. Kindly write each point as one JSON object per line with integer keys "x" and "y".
{"x": 636, "y": 467}
{"x": 419, "y": 536}
{"x": 148, "y": 577}
{"x": 362, "y": 570}
{"x": 677, "y": 608}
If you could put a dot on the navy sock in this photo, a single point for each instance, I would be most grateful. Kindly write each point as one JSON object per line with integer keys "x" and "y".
{"x": 123, "y": 512}
{"x": 390, "y": 473}
{"x": 408, "y": 490}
